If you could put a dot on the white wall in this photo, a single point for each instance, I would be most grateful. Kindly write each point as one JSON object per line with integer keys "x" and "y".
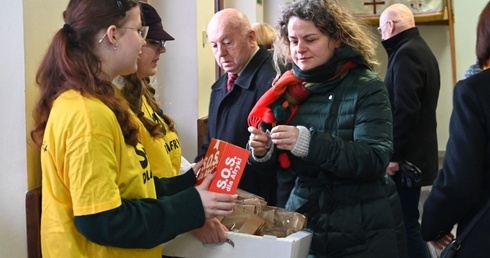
{"x": 206, "y": 63}
{"x": 466, "y": 16}
{"x": 177, "y": 71}
{"x": 253, "y": 11}
{"x": 186, "y": 70}
{"x": 13, "y": 185}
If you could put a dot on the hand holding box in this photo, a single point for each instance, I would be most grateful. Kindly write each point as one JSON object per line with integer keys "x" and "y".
{"x": 228, "y": 161}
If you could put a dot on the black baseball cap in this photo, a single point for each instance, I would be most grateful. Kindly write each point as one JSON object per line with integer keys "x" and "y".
{"x": 154, "y": 22}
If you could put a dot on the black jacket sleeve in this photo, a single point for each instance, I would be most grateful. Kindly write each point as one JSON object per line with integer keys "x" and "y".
{"x": 144, "y": 223}
{"x": 458, "y": 189}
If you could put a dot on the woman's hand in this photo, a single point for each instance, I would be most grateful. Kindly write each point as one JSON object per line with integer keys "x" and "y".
{"x": 285, "y": 136}
{"x": 215, "y": 204}
{"x": 212, "y": 232}
{"x": 392, "y": 168}
{"x": 197, "y": 167}
{"x": 257, "y": 141}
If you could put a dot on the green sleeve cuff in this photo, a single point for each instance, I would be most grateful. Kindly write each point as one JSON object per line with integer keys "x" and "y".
{"x": 144, "y": 223}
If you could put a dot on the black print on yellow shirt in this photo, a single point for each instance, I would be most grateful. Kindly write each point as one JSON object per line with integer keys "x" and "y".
{"x": 142, "y": 154}
{"x": 172, "y": 145}
{"x": 147, "y": 174}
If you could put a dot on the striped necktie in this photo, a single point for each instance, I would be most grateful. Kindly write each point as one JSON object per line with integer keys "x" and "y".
{"x": 231, "y": 81}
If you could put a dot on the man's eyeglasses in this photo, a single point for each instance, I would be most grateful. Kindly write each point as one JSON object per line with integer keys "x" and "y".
{"x": 380, "y": 28}
{"x": 143, "y": 31}
{"x": 160, "y": 44}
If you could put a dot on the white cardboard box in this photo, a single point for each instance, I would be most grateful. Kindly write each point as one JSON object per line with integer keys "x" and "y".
{"x": 239, "y": 245}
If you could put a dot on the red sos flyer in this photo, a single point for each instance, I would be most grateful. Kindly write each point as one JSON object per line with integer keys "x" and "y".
{"x": 228, "y": 161}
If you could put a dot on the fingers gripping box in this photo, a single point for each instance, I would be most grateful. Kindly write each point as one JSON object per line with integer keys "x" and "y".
{"x": 228, "y": 162}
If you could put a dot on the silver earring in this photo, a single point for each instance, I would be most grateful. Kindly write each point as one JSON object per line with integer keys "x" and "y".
{"x": 114, "y": 46}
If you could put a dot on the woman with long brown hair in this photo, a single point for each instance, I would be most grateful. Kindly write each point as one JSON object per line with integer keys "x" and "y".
{"x": 100, "y": 198}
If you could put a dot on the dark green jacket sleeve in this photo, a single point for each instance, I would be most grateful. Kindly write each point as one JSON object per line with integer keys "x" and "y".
{"x": 173, "y": 185}
{"x": 144, "y": 223}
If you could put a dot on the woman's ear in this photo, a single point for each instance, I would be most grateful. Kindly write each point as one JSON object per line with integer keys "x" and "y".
{"x": 112, "y": 34}
{"x": 337, "y": 42}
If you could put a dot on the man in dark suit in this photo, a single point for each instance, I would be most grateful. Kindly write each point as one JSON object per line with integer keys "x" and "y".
{"x": 249, "y": 74}
{"x": 413, "y": 83}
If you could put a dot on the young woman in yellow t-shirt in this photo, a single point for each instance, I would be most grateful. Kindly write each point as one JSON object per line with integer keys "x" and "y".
{"x": 100, "y": 197}
{"x": 157, "y": 133}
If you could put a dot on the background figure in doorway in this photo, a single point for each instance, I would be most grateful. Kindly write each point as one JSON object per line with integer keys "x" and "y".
{"x": 462, "y": 187}
{"x": 235, "y": 49}
{"x": 413, "y": 83}
{"x": 267, "y": 36}
{"x": 265, "y": 33}
{"x": 473, "y": 69}
{"x": 330, "y": 123}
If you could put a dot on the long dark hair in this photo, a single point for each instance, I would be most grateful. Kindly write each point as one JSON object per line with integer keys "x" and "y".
{"x": 71, "y": 63}
{"x": 134, "y": 90}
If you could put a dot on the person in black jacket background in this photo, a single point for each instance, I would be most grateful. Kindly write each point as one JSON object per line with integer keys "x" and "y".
{"x": 462, "y": 186}
{"x": 413, "y": 83}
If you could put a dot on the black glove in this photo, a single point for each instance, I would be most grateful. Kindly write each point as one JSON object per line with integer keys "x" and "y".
{"x": 409, "y": 173}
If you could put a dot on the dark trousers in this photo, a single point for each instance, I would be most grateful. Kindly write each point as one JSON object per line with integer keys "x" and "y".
{"x": 416, "y": 246}
{"x": 285, "y": 183}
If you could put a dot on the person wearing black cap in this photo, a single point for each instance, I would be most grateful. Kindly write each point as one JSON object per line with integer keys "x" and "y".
{"x": 159, "y": 136}
{"x": 155, "y": 42}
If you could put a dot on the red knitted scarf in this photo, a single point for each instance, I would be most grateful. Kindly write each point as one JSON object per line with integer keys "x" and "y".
{"x": 286, "y": 94}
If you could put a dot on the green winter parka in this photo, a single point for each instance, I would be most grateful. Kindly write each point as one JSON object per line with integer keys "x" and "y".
{"x": 341, "y": 183}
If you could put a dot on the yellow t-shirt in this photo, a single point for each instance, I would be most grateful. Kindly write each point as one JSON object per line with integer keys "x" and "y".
{"x": 164, "y": 153}
{"x": 86, "y": 169}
